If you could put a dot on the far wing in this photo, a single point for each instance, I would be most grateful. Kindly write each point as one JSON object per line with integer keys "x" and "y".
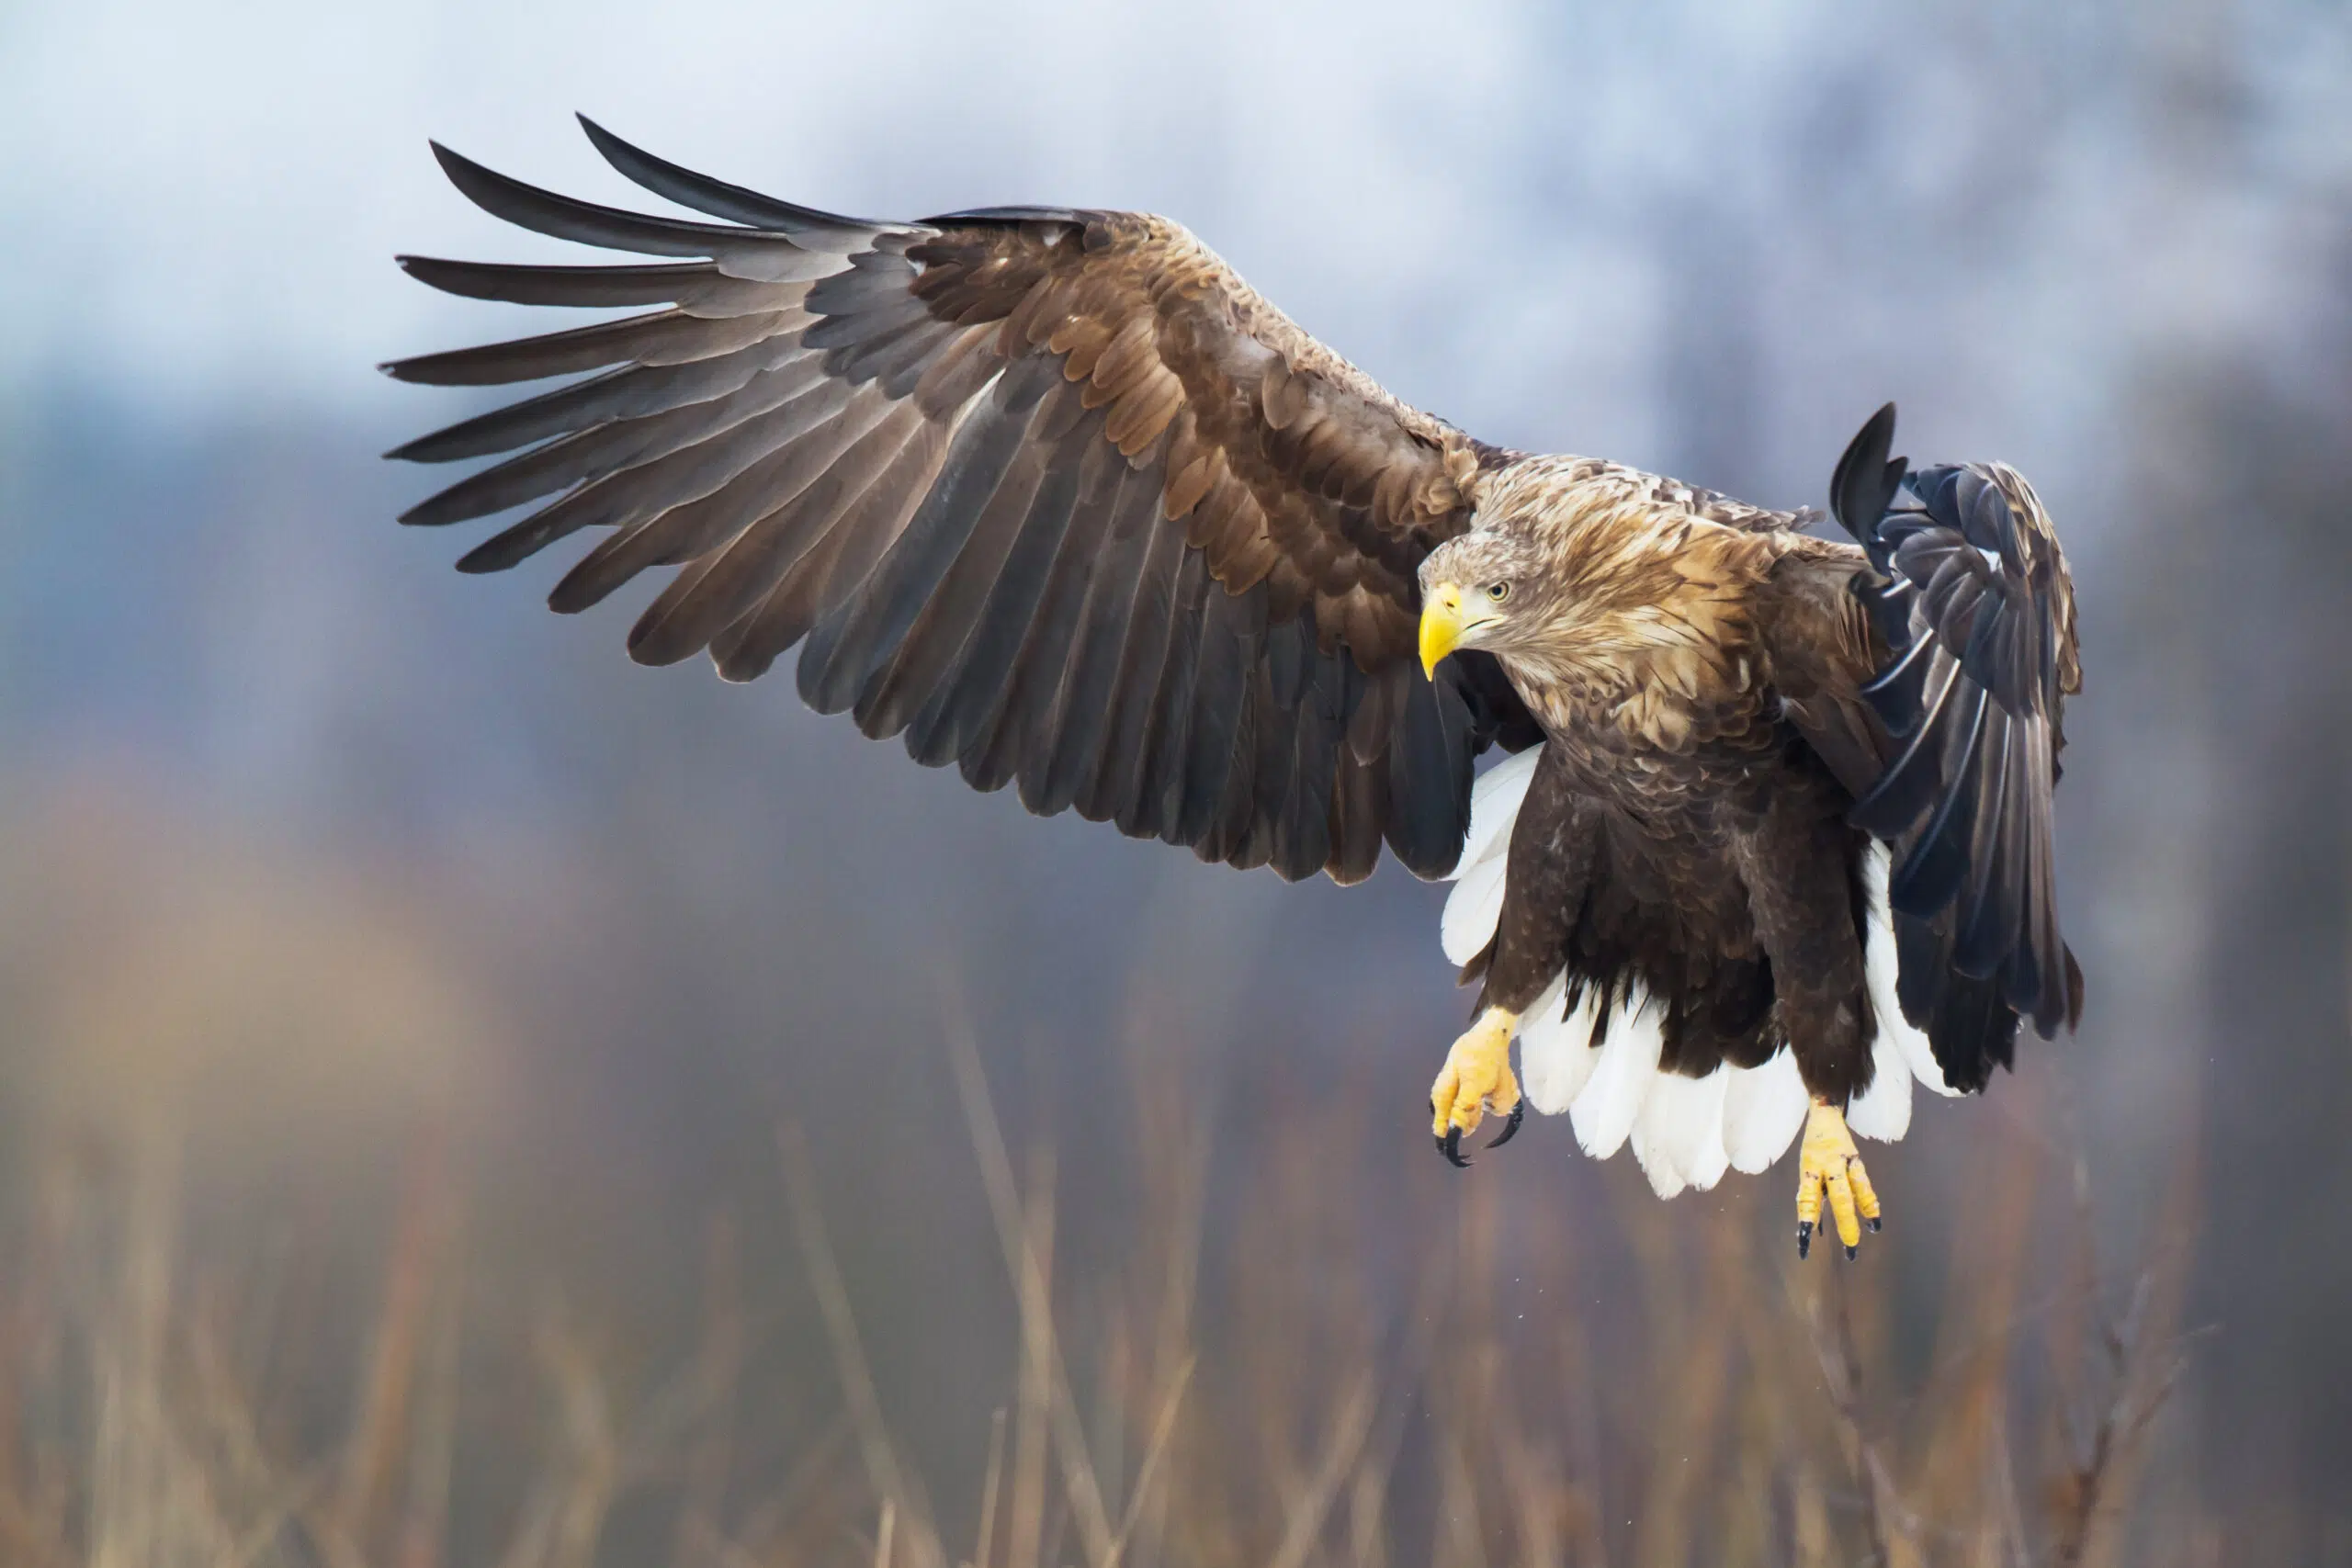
{"x": 1976, "y": 613}
{"x": 1052, "y": 493}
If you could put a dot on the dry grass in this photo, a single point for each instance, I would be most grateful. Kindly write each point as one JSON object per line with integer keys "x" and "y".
{"x": 1756, "y": 1414}
{"x": 1284, "y": 1355}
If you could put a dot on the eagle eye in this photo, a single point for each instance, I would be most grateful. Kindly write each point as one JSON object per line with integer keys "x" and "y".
{"x": 1498, "y": 592}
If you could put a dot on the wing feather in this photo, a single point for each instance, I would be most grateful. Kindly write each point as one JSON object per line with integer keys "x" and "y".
{"x": 1051, "y": 494}
{"x": 1114, "y": 782}
{"x": 846, "y": 544}
{"x": 698, "y": 288}
{"x": 1081, "y": 710}
{"x": 720, "y": 199}
{"x": 606, "y": 449}
{"x": 627, "y": 392}
{"x": 994, "y": 630}
{"x": 853, "y": 643}
{"x": 678, "y": 477}
{"x": 761, "y": 255}
{"x": 1967, "y": 675}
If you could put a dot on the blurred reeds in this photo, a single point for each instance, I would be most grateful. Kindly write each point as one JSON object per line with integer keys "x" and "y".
{"x": 1234, "y": 1394}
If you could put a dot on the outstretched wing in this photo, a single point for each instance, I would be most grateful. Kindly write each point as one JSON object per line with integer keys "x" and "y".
{"x": 1053, "y": 494}
{"x": 1975, "y": 611}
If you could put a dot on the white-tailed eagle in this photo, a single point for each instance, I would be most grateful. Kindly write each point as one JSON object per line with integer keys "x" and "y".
{"x": 1058, "y": 499}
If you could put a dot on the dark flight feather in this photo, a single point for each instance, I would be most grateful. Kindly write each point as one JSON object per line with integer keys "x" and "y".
{"x": 1972, "y": 605}
{"x": 718, "y": 199}
{"x": 1079, "y": 593}
{"x": 757, "y": 255}
{"x": 629, "y": 392}
{"x": 927, "y": 659}
{"x": 696, "y": 288}
{"x": 850, "y": 645}
{"x": 972, "y": 688}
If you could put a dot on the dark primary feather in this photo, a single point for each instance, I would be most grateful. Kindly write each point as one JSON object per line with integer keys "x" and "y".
{"x": 1973, "y": 604}
{"x": 757, "y": 255}
{"x": 698, "y": 286}
{"x": 704, "y": 194}
{"x": 1048, "y": 492}
{"x": 627, "y": 392}
{"x": 1863, "y": 484}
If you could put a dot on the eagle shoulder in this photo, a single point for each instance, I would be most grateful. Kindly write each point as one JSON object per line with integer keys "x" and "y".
{"x": 1653, "y": 590}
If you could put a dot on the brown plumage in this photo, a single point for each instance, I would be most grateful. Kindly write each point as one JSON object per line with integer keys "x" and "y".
{"x": 1060, "y": 500}
{"x": 1709, "y": 677}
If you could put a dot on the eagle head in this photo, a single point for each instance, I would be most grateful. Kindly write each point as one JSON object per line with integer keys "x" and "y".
{"x": 1485, "y": 589}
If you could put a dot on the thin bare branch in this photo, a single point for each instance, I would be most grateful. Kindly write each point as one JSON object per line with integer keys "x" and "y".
{"x": 1022, "y": 1263}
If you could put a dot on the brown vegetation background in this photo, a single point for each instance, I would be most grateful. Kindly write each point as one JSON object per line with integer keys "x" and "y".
{"x": 466, "y": 1099}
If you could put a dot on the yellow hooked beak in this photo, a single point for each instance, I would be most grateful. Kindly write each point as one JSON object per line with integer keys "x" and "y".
{"x": 1443, "y": 625}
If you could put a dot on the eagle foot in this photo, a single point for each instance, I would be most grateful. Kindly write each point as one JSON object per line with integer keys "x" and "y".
{"x": 1830, "y": 1167}
{"x": 1476, "y": 1079}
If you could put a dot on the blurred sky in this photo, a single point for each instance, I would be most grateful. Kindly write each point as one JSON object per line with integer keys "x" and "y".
{"x": 2110, "y": 243}
{"x": 200, "y": 200}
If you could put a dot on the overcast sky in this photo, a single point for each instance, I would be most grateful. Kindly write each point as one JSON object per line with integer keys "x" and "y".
{"x": 191, "y": 200}
{"x": 1509, "y": 214}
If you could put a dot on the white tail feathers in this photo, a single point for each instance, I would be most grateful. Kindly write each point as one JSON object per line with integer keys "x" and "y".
{"x": 1622, "y": 1072}
{"x": 1685, "y": 1132}
{"x": 1678, "y": 1137}
{"x": 1763, "y": 1111}
{"x": 1556, "y": 1054}
{"x": 1884, "y": 1109}
{"x": 1879, "y": 964}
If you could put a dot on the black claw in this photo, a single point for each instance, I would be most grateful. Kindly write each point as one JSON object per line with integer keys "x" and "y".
{"x": 1804, "y": 1239}
{"x": 1510, "y": 1128}
{"x": 1451, "y": 1146}
{"x": 1873, "y": 1222}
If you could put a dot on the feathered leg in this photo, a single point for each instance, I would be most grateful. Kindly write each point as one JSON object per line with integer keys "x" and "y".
{"x": 1801, "y": 865}
{"x": 1551, "y": 858}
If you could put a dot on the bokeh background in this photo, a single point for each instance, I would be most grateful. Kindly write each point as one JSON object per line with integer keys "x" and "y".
{"x": 365, "y": 930}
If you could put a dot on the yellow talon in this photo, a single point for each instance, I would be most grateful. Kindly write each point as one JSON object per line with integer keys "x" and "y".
{"x": 1828, "y": 1167}
{"x": 1476, "y": 1079}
